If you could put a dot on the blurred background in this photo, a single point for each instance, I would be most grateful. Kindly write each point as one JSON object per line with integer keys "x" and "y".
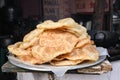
{"x": 100, "y": 17}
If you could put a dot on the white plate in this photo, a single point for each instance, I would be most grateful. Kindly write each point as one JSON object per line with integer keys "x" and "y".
{"x": 59, "y": 71}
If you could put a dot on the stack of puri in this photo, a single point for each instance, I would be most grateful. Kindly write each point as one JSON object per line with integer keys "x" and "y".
{"x": 60, "y": 43}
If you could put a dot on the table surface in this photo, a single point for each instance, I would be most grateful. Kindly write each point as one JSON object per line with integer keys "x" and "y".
{"x": 22, "y": 75}
{"x": 8, "y": 67}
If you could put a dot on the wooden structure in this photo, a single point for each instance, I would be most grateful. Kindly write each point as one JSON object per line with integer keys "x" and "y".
{"x": 99, "y": 20}
{"x": 26, "y": 75}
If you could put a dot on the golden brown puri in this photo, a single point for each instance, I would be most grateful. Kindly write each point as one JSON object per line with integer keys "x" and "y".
{"x": 53, "y": 43}
{"x": 87, "y": 52}
{"x": 60, "y": 43}
{"x": 65, "y": 62}
{"x": 78, "y": 55}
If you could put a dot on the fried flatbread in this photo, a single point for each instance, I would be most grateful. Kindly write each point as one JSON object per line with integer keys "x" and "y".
{"x": 65, "y": 62}
{"x": 34, "y": 33}
{"x": 67, "y": 24}
{"x": 14, "y": 49}
{"x": 77, "y": 56}
{"x": 83, "y": 42}
{"x": 53, "y": 43}
{"x": 88, "y": 52}
{"x": 64, "y": 42}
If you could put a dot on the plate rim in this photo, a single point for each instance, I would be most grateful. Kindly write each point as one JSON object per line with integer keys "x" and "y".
{"x": 19, "y": 63}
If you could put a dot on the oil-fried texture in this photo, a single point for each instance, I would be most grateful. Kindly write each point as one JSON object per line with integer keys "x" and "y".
{"x": 53, "y": 43}
{"x": 65, "y": 62}
{"x": 88, "y": 52}
{"x": 60, "y": 43}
